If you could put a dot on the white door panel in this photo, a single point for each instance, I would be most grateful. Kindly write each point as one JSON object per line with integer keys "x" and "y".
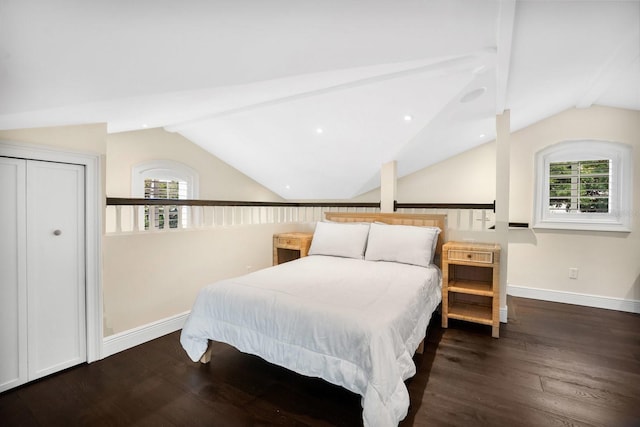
{"x": 13, "y": 297}
{"x": 55, "y": 267}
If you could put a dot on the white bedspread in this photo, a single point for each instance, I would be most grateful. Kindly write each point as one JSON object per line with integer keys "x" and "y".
{"x": 354, "y": 323}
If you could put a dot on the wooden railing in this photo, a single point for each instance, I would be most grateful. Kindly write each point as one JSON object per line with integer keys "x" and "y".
{"x": 135, "y": 215}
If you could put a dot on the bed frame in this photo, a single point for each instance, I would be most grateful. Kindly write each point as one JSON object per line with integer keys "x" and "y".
{"x": 419, "y": 220}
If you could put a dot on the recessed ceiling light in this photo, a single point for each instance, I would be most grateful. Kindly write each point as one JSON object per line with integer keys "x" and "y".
{"x": 319, "y": 131}
{"x": 482, "y": 135}
{"x": 288, "y": 187}
{"x": 408, "y": 118}
{"x": 474, "y": 94}
{"x": 144, "y": 126}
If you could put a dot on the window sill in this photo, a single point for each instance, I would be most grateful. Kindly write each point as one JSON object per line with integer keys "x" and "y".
{"x": 566, "y": 225}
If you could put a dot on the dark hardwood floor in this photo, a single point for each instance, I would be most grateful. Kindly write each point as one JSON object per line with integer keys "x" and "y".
{"x": 554, "y": 365}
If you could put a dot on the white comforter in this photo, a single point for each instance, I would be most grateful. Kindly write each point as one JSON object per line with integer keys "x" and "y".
{"x": 354, "y": 323}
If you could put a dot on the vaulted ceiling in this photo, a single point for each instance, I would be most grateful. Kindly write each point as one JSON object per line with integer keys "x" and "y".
{"x": 309, "y": 98}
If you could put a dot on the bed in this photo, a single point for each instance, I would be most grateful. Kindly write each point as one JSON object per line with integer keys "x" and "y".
{"x": 353, "y": 312}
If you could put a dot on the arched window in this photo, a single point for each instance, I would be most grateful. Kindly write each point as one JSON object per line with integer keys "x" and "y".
{"x": 583, "y": 185}
{"x": 164, "y": 179}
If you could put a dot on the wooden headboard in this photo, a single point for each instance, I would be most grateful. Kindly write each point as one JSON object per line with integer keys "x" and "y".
{"x": 419, "y": 220}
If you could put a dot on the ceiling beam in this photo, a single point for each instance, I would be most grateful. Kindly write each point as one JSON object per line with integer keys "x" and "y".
{"x": 504, "y": 38}
{"x": 621, "y": 58}
{"x": 464, "y": 63}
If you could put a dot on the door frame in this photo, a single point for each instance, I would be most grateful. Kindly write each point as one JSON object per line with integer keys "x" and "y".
{"x": 94, "y": 208}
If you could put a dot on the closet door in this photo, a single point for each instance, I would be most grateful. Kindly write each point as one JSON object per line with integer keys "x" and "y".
{"x": 55, "y": 267}
{"x": 13, "y": 290}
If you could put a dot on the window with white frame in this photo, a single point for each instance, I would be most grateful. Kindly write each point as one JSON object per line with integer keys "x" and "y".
{"x": 583, "y": 185}
{"x": 164, "y": 179}
{"x": 155, "y": 188}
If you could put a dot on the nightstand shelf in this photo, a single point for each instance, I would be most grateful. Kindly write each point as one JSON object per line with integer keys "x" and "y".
{"x": 470, "y": 312}
{"x": 471, "y": 287}
{"x": 290, "y": 246}
{"x": 471, "y": 284}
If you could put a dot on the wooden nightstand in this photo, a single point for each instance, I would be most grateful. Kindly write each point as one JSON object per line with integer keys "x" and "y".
{"x": 471, "y": 283}
{"x": 290, "y": 246}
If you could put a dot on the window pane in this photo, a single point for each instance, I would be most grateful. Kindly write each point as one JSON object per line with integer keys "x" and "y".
{"x": 162, "y": 189}
{"x": 560, "y": 205}
{"x": 597, "y": 205}
{"x": 596, "y": 186}
{"x": 594, "y": 167}
{"x": 581, "y": 186}
{"x": 560, "y": 187}
{"x": 560, "y": 168}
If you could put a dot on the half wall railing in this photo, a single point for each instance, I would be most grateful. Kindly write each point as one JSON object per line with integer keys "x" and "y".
{"x": 136, "y": 215}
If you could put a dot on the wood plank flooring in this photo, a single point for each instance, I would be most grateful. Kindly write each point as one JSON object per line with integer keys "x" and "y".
{"x": 553, "y": 365}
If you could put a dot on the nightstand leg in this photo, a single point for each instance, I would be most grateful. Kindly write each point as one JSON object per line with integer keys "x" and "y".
{"x": 495, "y": 331}
{"x": 444, "y": 307}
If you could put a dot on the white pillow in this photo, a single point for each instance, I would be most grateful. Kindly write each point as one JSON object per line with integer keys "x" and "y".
{"x": 339, "y": 239}
{"x": 406, "y": 244}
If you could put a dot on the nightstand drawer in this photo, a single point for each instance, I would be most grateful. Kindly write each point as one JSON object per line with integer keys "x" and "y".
{"x": 473, "y": 256}
{"x": 289, "y": 242}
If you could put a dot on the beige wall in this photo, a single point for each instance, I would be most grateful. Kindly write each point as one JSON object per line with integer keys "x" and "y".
{"x": 85, "y": 138}
{"x": 88, "y": 139}
{"x": 608, "y": 263}
{"x": 152, "y": 276}
{"x": 217, "y": 180}
{"x": 469, "y": 177}
{"x": 148, "y": 277}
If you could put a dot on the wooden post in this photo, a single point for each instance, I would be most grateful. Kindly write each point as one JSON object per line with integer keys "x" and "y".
{"x": 503, "y": 160}
{"x": 388, "y": 187}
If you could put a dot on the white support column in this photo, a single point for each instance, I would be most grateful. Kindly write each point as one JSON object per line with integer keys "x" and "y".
{"x": 118, "y": 219}
{"x": 136, "y": 217}
{"x": 503, "y": 159}
{"x": 388, "y": 186}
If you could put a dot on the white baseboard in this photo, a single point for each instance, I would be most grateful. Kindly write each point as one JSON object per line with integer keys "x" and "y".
{"x": 127, "y": 339}
{"x": 503, "y": 314}
{"x": 597, "y": 301}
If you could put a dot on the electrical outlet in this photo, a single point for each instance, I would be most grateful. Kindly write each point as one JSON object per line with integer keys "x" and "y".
{"x": 573, "y": 273}
{"x": 249, "y": 268}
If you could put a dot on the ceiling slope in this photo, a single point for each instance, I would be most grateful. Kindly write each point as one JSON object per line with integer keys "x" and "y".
{"x": 310, "y": 98}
